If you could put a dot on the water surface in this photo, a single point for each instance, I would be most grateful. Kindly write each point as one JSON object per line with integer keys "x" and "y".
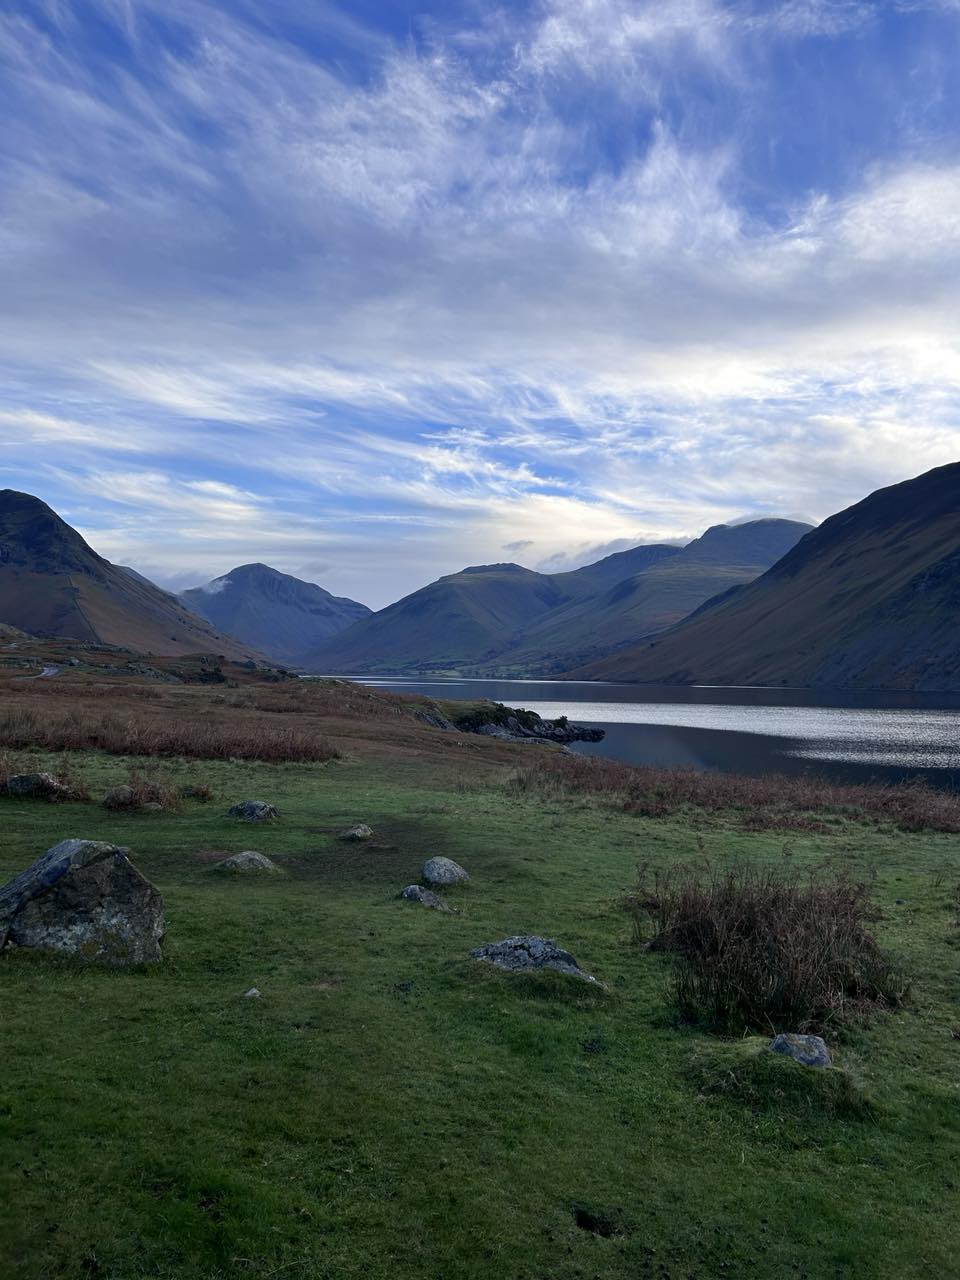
{"x": 844, "y": 734}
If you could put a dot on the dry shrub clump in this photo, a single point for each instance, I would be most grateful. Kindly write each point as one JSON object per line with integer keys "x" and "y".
{"x": 763, "y": 803}
{"x": 755, "y": 949}
{"x": 201, "y": 737}
{"x": 142, "y": 791}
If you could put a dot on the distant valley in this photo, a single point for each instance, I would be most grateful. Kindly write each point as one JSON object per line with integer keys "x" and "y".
{"x": 505, "y": 620}
{"x": 868, "y": 600}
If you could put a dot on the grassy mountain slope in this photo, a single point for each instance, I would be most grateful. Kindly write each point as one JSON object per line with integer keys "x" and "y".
{"x": 648, "y": 601}
{"x": 509, "y": 620}
{"x": 53, "y": 583}
{"x": 278, "y": 614}
{"x": 464, "y": 615}
{"x": 870, "y": 599}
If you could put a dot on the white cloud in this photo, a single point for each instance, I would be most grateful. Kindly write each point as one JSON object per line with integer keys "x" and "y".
{"x": 422, "y": 298}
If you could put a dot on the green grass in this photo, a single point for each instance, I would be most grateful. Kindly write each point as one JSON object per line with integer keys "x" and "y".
{"x": 390, "y": 1108}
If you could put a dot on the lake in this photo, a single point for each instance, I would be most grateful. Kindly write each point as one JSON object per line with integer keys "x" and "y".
{"x": 846, "y": 735}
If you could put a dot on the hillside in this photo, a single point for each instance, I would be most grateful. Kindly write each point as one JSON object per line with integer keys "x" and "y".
{"x": 274, "y": 612}
{"x": 868, "y": 600}
{"x": 53, "y": 583}
{"x": 503, "y": 619}
{"x": 463, "y": 616}
{"x": 657, "y": 597}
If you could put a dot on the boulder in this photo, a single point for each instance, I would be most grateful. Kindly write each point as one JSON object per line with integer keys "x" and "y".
{"x": 426, "y": 897}
{"x": 360, "y": 832}
{"x": 247, "y": 863}
{"x": 253, "y": 811}
{"x": 120, "y": 797}
{"x": 443, "y": 871}
{"x": 84, "y": 898}
{"x": 33, "y": 785}
{"x": 810, "y": 1050}
{"x": 525, "y": 952}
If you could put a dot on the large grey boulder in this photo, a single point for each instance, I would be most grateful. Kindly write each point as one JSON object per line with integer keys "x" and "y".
{"x": 84, "y": 898}
{"x": 247, "y": 863}
{"x": 426, "y": 897}
{"x": 33, "y": 785}
{"x": 443, "y": 871}
{"x": 810, "y": 1050}
{"x": 527, "y": 951}
{"x": 253, "y": 811}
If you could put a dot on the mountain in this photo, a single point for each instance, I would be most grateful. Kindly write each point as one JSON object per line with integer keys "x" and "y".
{"x": 53, "y": 583}
{"x": 281, "y": 616}
{"x": 504, "y": 619}
{"x": 458, "y": 618}
{"x": 658, "y": 596}
{"x": 869, "y": 600}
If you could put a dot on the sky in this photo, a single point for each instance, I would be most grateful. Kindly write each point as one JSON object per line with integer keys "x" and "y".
{"x": 371, "y": 291}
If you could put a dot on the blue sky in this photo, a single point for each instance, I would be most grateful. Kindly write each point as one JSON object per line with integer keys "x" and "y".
{"x": 372, "y": 291}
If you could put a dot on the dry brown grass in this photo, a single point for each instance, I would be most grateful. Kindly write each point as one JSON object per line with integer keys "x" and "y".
{"x": 52, "y": 728}
{"x": 764, "y": 803}
{"x": 755, "y": 949}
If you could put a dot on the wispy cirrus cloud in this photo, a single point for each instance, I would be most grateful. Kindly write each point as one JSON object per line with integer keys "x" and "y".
{"x": 553, "y": 277}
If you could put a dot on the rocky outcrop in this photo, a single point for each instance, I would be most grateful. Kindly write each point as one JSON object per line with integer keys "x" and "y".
{"x": 525, "y": 952}
{"x": 516, "y": 724}
{"x": 443, "y": 871}
{"x": 253, "y": 811}
{"x": 811, "y": 1051}
{"x": 247, "y": 863}
{"x": 426, "y": 897}
{"x": 33, "y": 786}
{"x": 360, "y": 832}
{"x": 86, "y": 899}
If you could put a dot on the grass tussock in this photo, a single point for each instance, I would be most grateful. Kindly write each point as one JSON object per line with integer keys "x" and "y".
{"x": 745, "y": 1071}
{"x": 208, "y": 738}
{"x": 772, "y": 802}
{"x": 756, "y": 949}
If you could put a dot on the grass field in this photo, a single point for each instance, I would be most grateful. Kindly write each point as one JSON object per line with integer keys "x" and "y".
{"x": 391, "y": 1108}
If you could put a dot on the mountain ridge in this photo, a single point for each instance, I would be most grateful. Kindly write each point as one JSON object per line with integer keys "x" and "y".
{"x": 869, "y": 599}
{"x": 494, "y": 619}
{"x": 52, "y": 582}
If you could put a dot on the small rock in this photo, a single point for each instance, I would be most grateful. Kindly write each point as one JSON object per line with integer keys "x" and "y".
{"x": 252, "y": 994}
{"x": 33, "y": 785}
{"x": 426, "y": 897}
{"x": 246, "y": 863}
{"x": 84, "y": 898}
{"x": 810, "y": 1050}
{"x": 526, "y": 951}
{"x": 443, "y": 871}
{"x": 253, "y": 811}
{"x": 120, "y": 797}
{"x": 360, "y": 832}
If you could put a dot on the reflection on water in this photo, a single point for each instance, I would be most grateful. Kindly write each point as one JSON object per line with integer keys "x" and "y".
{"x": 747, "y": 730}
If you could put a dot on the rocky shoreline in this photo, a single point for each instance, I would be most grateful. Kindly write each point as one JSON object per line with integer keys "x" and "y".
{"x": 512, "y": 724}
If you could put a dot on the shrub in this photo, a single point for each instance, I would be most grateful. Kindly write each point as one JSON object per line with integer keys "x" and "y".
{"x": 756, "y": 949}
{"x": 770, "y": 802}
{"x": 141, "y": 792}
{"x": 85, "y": 729}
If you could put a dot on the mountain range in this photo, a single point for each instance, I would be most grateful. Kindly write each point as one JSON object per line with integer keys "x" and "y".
{"x": 870, "y": 599}
{"x": 274, "y": 612}
{"x": 502, "y": 619}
